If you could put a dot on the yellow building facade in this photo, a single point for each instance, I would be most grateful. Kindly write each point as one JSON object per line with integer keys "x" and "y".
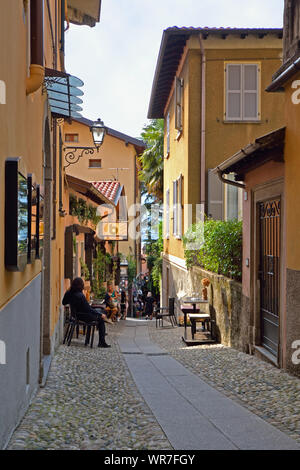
{"x": 32, "y": 47}
{"x": 209, "y": 88}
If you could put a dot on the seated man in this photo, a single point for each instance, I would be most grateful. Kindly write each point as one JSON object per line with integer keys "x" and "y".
{"x": 75, "y": 297}
{"x": 111, "y": 309}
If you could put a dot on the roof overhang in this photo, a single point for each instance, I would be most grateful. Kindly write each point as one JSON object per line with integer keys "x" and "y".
{"x": 137, "y": 143}
{"x": 84, "y": 12}
{"x": 172, "y": 46}
{"x": 284, "y": 74}
{"x": 87, "y": 189}
{"x": 266, "y": 148}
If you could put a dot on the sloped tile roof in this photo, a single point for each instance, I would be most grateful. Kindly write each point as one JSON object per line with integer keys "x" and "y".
{"x": 110, "y": 189}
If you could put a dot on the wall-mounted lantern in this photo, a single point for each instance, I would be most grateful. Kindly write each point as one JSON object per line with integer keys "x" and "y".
{"x": 74, "y": 154}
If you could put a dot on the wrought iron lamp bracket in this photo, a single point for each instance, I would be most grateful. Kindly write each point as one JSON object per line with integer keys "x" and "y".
{"x": 74, "y": 154}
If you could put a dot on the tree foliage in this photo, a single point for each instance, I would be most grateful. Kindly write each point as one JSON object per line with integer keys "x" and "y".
{"x": 151, "y": 160}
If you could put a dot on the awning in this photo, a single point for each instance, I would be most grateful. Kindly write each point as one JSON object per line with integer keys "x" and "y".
{"x": 266, "y": 148}
{"x": 84, "y": 12}
{"x": 63, "y": 93}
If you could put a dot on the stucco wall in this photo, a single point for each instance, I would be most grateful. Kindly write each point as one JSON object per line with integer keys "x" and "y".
{"x": 20, "y": 330}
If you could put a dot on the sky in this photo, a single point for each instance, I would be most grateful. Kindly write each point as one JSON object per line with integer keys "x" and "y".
{"x": 117, "y": 58}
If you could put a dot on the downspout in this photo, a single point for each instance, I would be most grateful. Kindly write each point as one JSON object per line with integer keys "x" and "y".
{"x": 226, "y": 181}
{"x": 37, "y": 71}
{"x": 203, "y": 124}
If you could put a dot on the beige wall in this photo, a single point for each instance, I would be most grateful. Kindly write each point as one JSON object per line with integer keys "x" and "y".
{"x": 114, "y": 153}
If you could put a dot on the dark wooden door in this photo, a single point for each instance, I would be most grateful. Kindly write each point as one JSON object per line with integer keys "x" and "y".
{"x": 269, "y": 271}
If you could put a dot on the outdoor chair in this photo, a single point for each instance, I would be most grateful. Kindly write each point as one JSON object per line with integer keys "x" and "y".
{"x": 73, "y": 322}
{"x": 164, "y": 312}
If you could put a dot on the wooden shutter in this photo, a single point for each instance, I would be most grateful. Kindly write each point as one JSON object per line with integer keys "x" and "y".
{"x": 179, "y": 207}
{"x": 178, "y": 110}
{"x": 250, "y": 92}
{"x": 175, "y": 207}
{"x": 168, "y": 134}
{"x": 234, "y": 92}
{"x": 215, "y": 197}
{"x": 167, "y": 214}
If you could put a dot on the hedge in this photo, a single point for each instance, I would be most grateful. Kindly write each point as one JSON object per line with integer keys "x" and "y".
{"x": 221, "y": 247}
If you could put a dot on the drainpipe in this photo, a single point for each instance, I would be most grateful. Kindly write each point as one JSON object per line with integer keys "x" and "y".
{"x": 37, "y": 71}
{"x": 226, "y": 181}
{"x": 203, "y": 123}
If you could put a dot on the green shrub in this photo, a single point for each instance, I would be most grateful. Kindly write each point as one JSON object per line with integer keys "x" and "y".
{"x": 221, "y": 251}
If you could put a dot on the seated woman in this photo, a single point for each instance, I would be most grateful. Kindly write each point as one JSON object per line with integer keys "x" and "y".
{"x": 111, "y": 309}
{"x": 75, "y": 297}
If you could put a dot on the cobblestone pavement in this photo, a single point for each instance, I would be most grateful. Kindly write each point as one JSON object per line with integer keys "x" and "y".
{"x": 90, "y": 402}
{"x": 265, "y": 390}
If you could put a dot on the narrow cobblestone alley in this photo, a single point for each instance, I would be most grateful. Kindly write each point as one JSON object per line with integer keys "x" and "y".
{"x": 103, "y": 399}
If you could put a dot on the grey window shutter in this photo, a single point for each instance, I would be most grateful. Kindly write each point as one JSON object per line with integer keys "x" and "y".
{"x": 250, "y": 91}
{"x": 232, "y": 199}
{"x": 215, "y": 197}
{"x": 234, "y": 91}
{"x": 175, "y": 207}
{"x": 179, "y": 203}
{"x": 167, "y": 214}
{"x": 178, "y": 97}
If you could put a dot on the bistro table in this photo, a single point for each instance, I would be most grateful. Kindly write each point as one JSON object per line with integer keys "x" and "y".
{"x": 189, "y": 307}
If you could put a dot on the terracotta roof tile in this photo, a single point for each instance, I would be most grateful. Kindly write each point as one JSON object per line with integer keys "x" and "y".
{"x": 109, "y": 189}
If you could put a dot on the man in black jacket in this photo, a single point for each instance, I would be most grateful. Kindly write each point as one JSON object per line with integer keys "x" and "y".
{"x": 75, "y": 297}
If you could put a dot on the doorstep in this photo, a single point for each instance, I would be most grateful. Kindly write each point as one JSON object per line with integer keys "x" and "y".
{"x": 266, "y": 355}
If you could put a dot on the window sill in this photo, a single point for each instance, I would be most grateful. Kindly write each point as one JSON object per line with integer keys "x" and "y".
{"x": 257, "y": 121}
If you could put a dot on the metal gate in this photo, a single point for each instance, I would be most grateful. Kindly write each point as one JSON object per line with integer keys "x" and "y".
{"x": 269, "y": 271}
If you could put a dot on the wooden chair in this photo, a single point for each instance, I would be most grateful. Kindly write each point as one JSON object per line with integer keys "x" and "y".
{"x": 166, "y": 312}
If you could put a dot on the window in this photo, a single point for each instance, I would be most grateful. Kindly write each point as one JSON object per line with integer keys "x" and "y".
{"x": 167, "y": 214}
{"x": 95, "y": 163}
{"x": 242, "y": 92}
{"x": 177, "y": 207}
{"x": 168, "y": 136}
{"x": 179, "y": 103}
{"x": 71, "y": 137}
{"x": 233, "y": 200}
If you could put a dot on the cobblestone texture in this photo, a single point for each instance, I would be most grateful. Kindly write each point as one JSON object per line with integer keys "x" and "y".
{"x": 267, "y": 391}
{"x": 90, "y": 402}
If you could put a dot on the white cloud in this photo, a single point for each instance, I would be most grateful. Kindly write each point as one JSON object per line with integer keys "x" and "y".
{"x": 117, "y": 58}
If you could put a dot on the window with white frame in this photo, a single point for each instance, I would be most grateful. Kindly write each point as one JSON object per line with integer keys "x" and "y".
{"x": 167, "y": 214}
{"x": 242, "y": 92}
{"x": 179, "y": 103}
{"x": 177, "y": 207}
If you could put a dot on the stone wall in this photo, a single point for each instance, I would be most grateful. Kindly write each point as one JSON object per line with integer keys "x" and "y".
{"x": 227, "y": 306}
